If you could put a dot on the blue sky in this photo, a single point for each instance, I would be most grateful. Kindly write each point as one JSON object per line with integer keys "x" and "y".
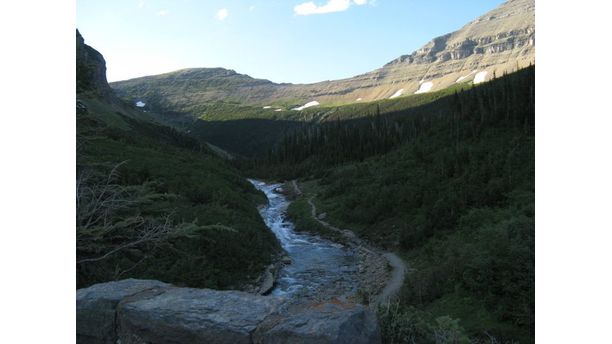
{"x": 298, "y": 41}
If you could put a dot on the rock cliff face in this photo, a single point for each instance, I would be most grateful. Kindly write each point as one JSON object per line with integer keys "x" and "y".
{"x": 500, "y": 41}
{"x": 90, "y": 69}
{"x": 508, "y": 27}
{"x": 145, "y": 311}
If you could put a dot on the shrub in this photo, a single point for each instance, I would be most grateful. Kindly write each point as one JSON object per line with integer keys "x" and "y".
{"x": 409, "y": 325}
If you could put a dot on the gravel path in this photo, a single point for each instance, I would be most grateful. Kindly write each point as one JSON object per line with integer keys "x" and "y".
{"x": 397, "y": 278}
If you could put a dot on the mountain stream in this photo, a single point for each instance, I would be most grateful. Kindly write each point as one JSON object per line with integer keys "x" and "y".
{"x": 320, "y": 269}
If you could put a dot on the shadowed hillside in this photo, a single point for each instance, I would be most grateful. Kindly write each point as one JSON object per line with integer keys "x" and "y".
{"x": 155, "y": 203}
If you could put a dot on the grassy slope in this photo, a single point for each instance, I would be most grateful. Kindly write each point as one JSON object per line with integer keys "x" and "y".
{"x": 167, "y": 98}
{"x": 171, "y": 176}
{"x": 252, "y": 131}
{"x": 299, "y": 211}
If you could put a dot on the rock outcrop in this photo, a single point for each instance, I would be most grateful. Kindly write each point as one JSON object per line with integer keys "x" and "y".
{"x": 90, "y": 70}
{"x": 145, "y": 311}
{"x": 186, "y": 315}
{"x": 96, "y": 308}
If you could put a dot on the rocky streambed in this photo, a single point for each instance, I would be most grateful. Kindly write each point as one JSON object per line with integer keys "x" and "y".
{"x": 319, "y": 269}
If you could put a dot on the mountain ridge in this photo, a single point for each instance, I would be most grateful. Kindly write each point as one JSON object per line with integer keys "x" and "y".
{"x": 500, "y": 41}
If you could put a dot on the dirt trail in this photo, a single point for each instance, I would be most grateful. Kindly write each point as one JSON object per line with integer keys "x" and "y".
{"x": 397, "y": 278}
{"x": 398, "y": 274}
{"x": 296, "y": 188}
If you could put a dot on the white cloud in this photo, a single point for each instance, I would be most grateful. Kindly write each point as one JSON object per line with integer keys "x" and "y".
{"x": 252, "y": 8}
{"x": 162, "y": 13}
{"x": 308, "y": 8}
{"x": 222, "y": 14}
{"x": 141, "y": 3}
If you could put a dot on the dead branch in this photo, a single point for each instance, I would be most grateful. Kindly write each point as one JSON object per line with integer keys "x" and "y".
{"x": 150, "y": 233}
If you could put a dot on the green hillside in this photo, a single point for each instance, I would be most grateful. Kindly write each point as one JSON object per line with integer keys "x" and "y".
{"x": 155, "y": 203}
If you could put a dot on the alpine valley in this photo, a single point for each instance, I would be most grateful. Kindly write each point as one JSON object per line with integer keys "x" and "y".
{"x": 396, "y": 206}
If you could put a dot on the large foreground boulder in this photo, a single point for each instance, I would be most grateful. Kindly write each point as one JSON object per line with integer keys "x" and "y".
{"x": 143, "y": 311}
{"x": 96, "y": 308}
{"x": 185, "y": 315}
{"x": 327, "y": 323}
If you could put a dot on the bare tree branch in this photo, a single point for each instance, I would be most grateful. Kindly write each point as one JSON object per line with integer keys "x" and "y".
{"x": 99, "y": 202}
{"x": 148, "y": 234}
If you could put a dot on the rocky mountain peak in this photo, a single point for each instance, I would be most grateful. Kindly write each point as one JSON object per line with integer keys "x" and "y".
{"x": 509, "y": 26}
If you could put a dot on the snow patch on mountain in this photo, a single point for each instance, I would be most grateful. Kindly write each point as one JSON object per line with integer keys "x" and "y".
{"x": 461, "y": 78}
{"x": 425, "y": 87}
{"x": 480, "y": 77}
{"x": 307, "y": 105}
{"x": 397, "y": 94}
